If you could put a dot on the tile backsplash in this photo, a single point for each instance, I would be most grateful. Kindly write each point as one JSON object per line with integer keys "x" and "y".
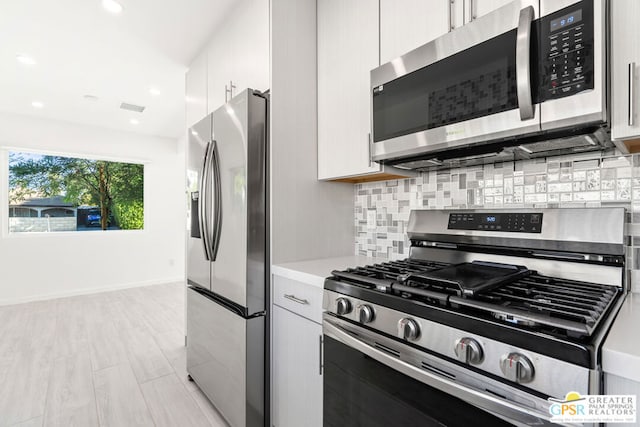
{"x": 585, "y": 180}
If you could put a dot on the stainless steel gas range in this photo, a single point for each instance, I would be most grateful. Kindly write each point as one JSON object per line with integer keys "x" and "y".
{"x": 492, "y": 314}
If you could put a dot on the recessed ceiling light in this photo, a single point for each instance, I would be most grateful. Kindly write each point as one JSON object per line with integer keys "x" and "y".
{"x": 26, "y": 59}
{"x": 154, "y": 91}
{"x": 134, "y": 121}
{"x": 37, "y": 104}
{"x": 112, "y": 6}
{"x": 92, "y": 98}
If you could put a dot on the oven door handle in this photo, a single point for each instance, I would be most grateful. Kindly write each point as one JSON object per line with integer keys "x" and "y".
{"x": 523, "y": 63}
{"x": 493, "y": 404}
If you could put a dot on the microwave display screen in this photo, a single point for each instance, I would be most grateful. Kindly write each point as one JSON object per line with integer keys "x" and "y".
{"x": 566, "y": 20}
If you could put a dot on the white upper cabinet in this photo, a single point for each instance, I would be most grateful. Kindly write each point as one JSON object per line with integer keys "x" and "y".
{"x": 348, "y": 49}
{"x": 347, "y": 52}
{"x": 196, "y": 90}
{"x": 408, "y": 24}
{"x": 476, "y": 8}
{"x": 251, "y": 46}
{"x": 219, "y": 71}
{"x": 238, "y": 54}
{"x": 625, "y": 66}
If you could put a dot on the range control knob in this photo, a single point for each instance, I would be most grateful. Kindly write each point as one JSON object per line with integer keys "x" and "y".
{"x": 408, "y": 329}
{"x": 343, "y": 306}
{"x": 469, "y": 351}
{"x": 365, "y": 313}
{"x": 517, "y": 368}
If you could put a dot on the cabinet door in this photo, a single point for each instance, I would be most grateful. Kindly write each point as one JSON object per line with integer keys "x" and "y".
{"x": 625, "y": 67}
{"x": 476, "y": 8}
{"x": 220, "y": 54}
{"x": 347, "y": 52}
{"x": 296, "y": 377}
{"x": 250, "y": 35}
{"x": 408, "y": 24}
{"x": 196, "y": 90}
{"x": 239, "y": 53}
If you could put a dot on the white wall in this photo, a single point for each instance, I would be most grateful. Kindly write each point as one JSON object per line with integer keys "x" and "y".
{"x": 38, "y": 266}
{"x": 309, "y": 218}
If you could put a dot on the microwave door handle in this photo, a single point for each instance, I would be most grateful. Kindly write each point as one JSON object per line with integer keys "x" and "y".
{"x": 523, "y": 63}
{"x": 202, "y": 203}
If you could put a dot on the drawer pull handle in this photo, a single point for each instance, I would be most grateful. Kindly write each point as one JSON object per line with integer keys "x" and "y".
{"x": 295, "y": 299}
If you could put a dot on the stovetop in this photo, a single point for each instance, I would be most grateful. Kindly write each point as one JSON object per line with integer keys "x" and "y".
{"x": 525, "y": 296}
{"x": 515, "y": 296}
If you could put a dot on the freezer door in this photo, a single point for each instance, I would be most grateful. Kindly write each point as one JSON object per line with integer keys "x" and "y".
{"x": 240, "y": 189}
{"x": 198, "y": 266}
{"x": 225, "y": 357}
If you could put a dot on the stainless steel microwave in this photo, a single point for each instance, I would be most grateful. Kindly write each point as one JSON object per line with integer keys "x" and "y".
{"x": 527, "y": 80}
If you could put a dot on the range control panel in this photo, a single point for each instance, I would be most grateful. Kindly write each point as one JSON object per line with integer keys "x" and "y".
{"x": 567, "y": 51}
{"x": 528, "y": 222}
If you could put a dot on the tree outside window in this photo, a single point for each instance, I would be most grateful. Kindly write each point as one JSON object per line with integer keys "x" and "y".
{"x": 96, "y": 194}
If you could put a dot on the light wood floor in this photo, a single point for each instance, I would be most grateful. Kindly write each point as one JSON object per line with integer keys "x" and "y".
{"x": 107, "y": 359}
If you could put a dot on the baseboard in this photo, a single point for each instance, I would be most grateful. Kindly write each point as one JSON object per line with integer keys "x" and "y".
{"x": 87, "y": 291}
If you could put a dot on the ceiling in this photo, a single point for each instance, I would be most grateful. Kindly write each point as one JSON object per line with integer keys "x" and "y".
{"x": 81, "y": 49}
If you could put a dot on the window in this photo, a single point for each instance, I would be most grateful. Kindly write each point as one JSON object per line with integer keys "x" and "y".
{"x": 57, "y": 193}
{"x": 22, "y": 212}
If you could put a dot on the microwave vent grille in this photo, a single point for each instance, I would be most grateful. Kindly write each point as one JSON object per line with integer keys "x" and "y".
{"x": 581, "y": 141}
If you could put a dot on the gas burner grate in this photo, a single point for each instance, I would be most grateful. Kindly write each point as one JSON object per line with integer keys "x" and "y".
{"x": 393, "y": 269}
{"x": 567, "y": 307}
{"x": 540, "y": 301}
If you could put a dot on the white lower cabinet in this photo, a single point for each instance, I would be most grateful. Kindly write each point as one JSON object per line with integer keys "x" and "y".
{"x": 296, "y": 370}
{"x": 616, "y": 385}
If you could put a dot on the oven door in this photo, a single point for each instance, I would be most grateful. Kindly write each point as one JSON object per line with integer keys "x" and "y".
{"x": 373, "y": 380}
{"x": 471, "y": 85}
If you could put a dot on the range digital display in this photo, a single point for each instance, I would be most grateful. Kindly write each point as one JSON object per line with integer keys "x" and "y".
{"x": 566, "y": 20}
{"x": 510, "y": 222}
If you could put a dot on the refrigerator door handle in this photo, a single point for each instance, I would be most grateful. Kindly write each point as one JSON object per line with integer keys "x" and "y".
{"x": 202, "y": 203}
{"x": 217, "y": 201}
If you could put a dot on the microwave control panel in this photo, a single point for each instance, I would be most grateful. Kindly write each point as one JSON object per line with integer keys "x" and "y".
{"x": 567, "y": 51}
{"x": 514, "y": 222}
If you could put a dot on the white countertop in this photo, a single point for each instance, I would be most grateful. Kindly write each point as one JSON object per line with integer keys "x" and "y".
{"x": 621, "y": 350}
{"x": 315, "y": 271}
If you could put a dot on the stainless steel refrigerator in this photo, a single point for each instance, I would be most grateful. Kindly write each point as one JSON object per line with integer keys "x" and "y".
{"x": 227, "y": 258}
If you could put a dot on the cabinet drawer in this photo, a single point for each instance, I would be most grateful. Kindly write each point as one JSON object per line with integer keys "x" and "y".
{"x": 299, "y": 297}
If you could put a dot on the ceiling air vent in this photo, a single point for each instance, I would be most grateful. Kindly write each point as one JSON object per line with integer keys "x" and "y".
{"x": 132, "y": 107}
